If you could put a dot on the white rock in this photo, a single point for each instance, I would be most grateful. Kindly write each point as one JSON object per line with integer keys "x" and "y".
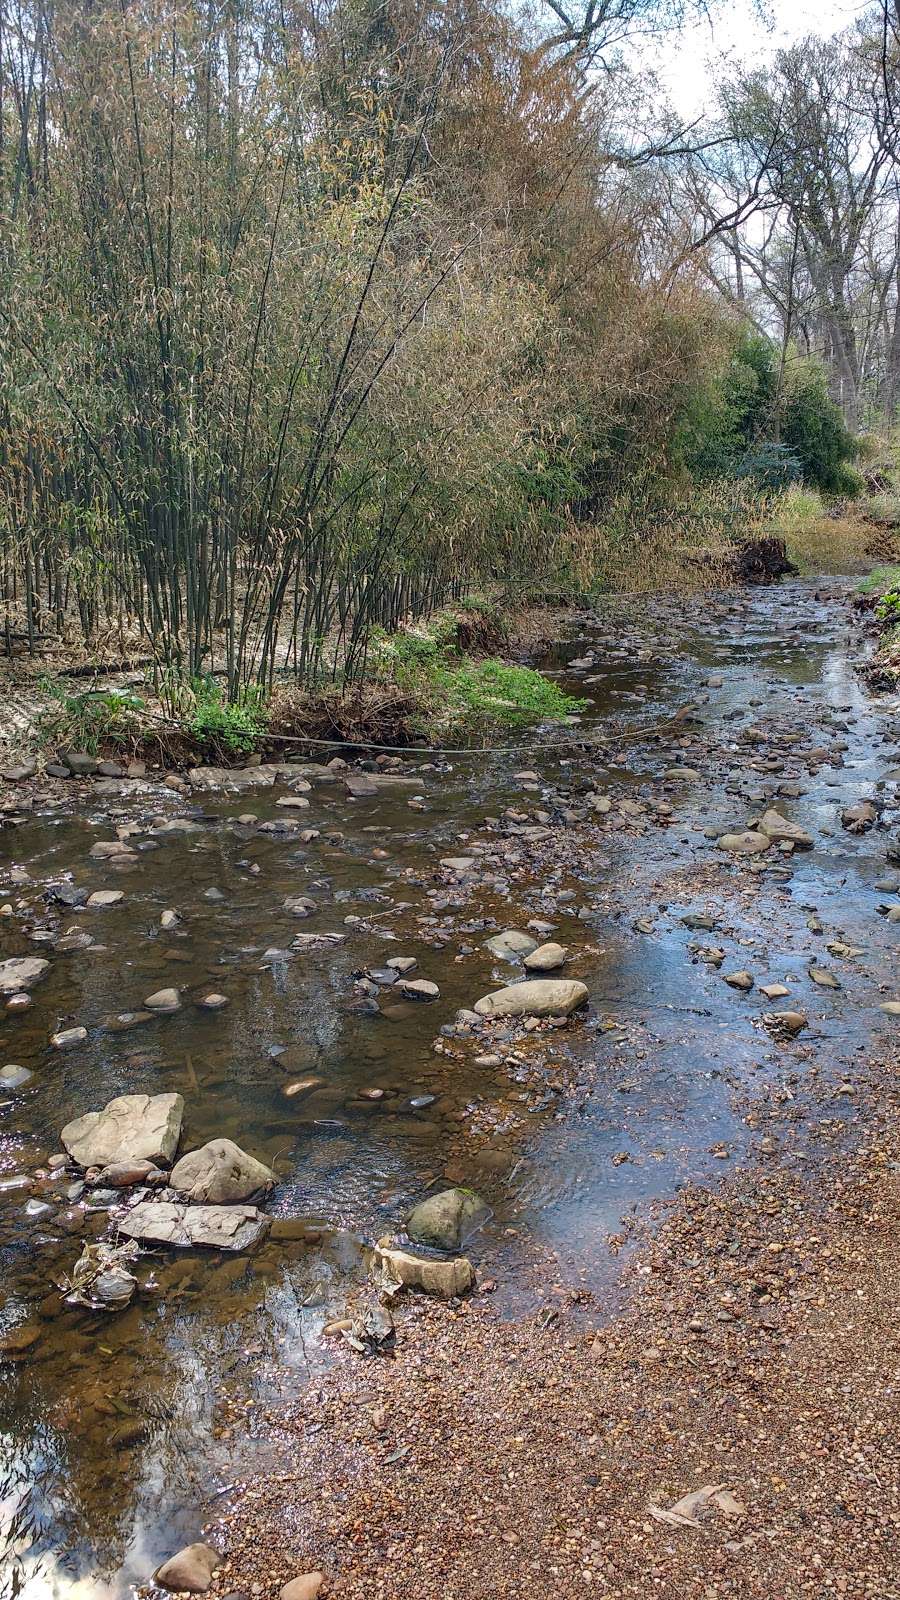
{"x": 537, "y": 997}
{"x": 442, "y": 1278}
{"x": 110, "y": 850}
{"x": 190, "y": 1571}
{"x": 67, "y": 1038}
{"x": 547, "y": 958}
{"x": 511, "y": 945}
{"x": 188, "y": 1226}
{"x": 164, "y": 1000}
{"x": 133, "y": 1127}
{"x": 419, "y": 989}
{"x": 748, "y": 843}
{"x": 213, "y": 1002}
{"x": 21, "y": 972}
{"x": 305, "y": 1587}
{"x": 781, "y": 831}
{"x": 104, "y": 897}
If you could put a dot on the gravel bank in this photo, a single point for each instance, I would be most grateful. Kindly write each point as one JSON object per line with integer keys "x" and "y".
{"x": 757, "y": 1350}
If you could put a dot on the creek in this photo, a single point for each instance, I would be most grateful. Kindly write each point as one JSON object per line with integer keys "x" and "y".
{"x": 114, "y": 1442}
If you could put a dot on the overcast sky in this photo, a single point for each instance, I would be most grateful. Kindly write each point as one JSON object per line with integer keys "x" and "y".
{"x": 691, "y": 67}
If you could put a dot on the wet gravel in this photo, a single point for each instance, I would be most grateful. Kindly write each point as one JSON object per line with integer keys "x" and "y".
{"x": 756, "y": 1351}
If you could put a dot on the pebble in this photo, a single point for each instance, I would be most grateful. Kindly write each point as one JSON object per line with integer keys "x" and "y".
{"x": 163, "y": 1000}
{"x": 68, "y": 1038}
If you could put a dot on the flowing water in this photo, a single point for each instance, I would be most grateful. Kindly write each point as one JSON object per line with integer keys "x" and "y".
{"x": 114, "y": 1441}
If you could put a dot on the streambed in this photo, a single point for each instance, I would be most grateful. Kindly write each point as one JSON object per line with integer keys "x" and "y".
{"x": 115, "y": 1439}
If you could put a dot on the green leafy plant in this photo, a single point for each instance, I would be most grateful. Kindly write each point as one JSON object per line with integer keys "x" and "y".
{"x": 461, "y": 690}
{"x": 233, "y": 727}
{"x": 491, "y": 690}
{"x": 879, "y": 580}
{"x": 90, "y": 720}
{"x": 887, "y": 610}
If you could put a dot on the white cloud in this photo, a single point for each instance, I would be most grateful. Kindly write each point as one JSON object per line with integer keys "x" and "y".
{"x": 690, "y": 68}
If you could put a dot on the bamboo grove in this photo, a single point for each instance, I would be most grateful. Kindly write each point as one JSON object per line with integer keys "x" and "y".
{"x": 293, "y": 306}
{"x": 314, "y": 316}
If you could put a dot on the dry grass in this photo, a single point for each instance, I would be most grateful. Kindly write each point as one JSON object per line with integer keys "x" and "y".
{"x": 821, "y": 538}
{"x": 382, "y": 713}
{"x": 684, "y": 538}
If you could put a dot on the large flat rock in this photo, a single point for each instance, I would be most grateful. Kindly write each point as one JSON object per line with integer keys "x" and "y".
{"x": 133, "y": 1127}
{"x": 781, "y": 831}
{"x": 233, "y": 780}
{"x": 538, "y": 997}
{"x": 189, "y": 1227}
{"x": 748, "y": 843}
{"x": 21, "y": 972}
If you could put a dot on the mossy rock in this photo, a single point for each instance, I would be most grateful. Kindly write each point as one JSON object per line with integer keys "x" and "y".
{"x": 447, "y": 1219}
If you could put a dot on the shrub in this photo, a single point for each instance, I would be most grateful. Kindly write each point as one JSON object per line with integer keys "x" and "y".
{"x": 89, "y": 720}
{"x": 429, "y": 665}
{"x": 233, "y": 727}
{"x": 730, "y": 424}
{"x": 816, "y": 432}
{"x": 887, "y": 611}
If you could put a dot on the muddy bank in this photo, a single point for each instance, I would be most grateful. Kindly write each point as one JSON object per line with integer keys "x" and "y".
{"x": 292, "y": 893}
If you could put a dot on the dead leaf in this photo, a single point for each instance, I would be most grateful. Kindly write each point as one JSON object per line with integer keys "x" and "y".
{"x": 683, "y": 1513}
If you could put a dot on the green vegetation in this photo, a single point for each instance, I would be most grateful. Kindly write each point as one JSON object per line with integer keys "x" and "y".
{"x": 310, "y": 330}
{"x": 430, "y": 667}
{"x": 880, "y": 580}
{"x": 882, "y": 588}
{"x": 220, "y": 726}
{"x": 887, "y": 610}
{"x": 89, "y": 721}
{"x": 775, "y": 427}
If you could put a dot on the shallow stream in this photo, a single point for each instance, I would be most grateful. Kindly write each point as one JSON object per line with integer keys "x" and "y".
{"x": 114, "y": 1441}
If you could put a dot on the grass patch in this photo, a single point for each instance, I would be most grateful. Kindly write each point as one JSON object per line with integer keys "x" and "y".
{"x": 455, "y": 689}
{"x": 879, "y": 580}
{"x": 679, "y": 537}
{"x": 821, "y": 537}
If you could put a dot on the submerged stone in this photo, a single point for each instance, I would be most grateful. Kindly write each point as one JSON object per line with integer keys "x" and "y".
{"x": 781, "y": 831}
{"x": 14, "y": 1077}
{"x": 511, "y": 945}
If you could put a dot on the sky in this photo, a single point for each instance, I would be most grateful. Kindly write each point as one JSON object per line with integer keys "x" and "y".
{"x": 691, "y": 66}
